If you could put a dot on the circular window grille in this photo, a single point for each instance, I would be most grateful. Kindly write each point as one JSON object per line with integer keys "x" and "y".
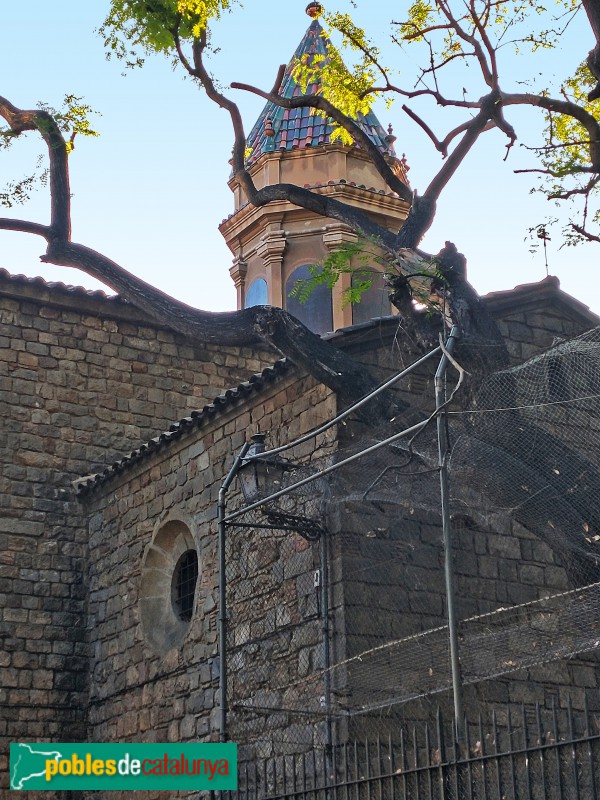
{"x": 168, "y": 586}
{"x": 184, "y": 585}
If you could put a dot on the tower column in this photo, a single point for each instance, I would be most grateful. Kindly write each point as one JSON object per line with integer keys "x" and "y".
{"x": 271, "y": 249}
{"x": 333, "y": 239}
{"x": 238, "y": 275}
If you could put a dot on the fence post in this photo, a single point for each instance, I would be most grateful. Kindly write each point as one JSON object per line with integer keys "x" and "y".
{"x": 222, "y": 525}
{"x": 443, "y": 452}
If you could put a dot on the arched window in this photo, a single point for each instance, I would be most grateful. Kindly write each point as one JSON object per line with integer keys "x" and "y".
{"x": 374, "y": 302}
{"x": 257, "y": 293}
{"x": 317, "y": 312}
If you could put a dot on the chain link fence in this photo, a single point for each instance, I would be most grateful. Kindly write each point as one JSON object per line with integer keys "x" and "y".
{"x": 342, "y": 634}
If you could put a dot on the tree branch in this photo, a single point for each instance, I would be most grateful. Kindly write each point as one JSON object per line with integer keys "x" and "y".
{"x": 322, "y": 104}
{"x": 586, "y": 234}
{"x": 467, "y": 37}
{"x": 592, "y": 9}
{"x": 473, "y": 130}
{"x": 583, "y": 190}
{"x": 21, "y": 121}
{"x": 463, "y": 127}
{"x": 567, "y": 107}
{"x": 278, "y": 79}
{"x": 24, "y": 226}
{"x": 436, "y": 142}
{"x": 437, "y": 96}
{"x": 264, "y": 325}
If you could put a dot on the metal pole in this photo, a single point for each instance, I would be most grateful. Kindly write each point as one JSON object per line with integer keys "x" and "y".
{"x": 286, "y": 490}
{"x": 223, "y": 592}
{"x": 355, "y": 406}
{"x": 443, "y": 450}
{"x": 326, "y": 644}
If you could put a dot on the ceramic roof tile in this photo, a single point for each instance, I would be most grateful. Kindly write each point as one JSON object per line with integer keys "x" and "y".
{"x": 63, "y": 287}
{"x": 303, "y": 127}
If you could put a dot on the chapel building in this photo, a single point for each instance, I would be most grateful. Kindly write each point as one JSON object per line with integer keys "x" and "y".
{"x": 119, "y": 433}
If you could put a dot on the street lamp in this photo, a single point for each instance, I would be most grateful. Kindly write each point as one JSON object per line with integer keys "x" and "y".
{"x": 261, "y": 475}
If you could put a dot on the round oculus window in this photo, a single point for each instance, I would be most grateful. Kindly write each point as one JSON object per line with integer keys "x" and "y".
{"x": 169, "y": 583}
{"x": 183, "y": 587}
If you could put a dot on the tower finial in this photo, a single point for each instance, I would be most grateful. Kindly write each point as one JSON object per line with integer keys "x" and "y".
{"x": 314, "y": 9}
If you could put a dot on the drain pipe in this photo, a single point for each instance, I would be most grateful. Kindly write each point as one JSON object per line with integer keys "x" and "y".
{"x": 443, "y": 452}
{"x": 222, "y": 527}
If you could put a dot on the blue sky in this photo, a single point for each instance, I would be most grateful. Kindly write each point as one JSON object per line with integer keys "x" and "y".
{"x": 151, "y": 191}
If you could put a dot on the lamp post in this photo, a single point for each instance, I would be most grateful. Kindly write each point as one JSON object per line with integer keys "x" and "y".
{"x": 261, "y": 476}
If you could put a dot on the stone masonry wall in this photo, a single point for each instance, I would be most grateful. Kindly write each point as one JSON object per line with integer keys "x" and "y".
{"x": 390, "y": 586}
{"x": 529, "y": 326}
{"x": 528, "y": 332}
{"x": 83, "y": 380}
{"x": 141, "y": 687}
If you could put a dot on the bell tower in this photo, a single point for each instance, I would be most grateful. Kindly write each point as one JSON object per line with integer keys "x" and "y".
{"x": 275, "y": 245}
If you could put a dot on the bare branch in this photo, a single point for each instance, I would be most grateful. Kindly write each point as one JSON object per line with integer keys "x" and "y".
{"x": 559, "y": 146}
{"x": 436, "y": 142}
{"x": 472, "y": 40}
{"x": 439, "y": 98}
{"x": 435, "y": 67}
{"x": 493, "y": 70}
{"x": 505, "y": 127}
{"x": 592, "y": 9}
{"x": 24, "y": 226}
{"x": 20, "y": 121}
{"x": 463, "y": 127}
{"x": 278, "y": 79}
{"x": 472, "y": 132}
{"x": 567, "y": 107}
{"x": 591, "y": 237}
{"x": 181, "y": 55}
{"x": 322, "y": 104}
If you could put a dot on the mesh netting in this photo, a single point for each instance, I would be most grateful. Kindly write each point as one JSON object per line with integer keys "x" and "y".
{"x": 531, "y": 443}
{"x": 331, "y": 634}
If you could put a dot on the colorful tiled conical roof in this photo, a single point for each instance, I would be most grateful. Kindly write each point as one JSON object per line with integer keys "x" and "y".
{"x": 285, "y": 129}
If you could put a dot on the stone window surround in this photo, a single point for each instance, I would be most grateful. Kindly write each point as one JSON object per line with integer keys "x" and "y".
{"x": 162, "y": 627}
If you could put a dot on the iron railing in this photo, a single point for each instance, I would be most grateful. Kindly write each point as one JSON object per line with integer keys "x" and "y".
{"x": 532, "y": 753}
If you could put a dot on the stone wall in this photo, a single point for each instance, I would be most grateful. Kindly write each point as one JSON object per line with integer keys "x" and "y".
{"x": 390, "y": 587}
{"x": 533, "y": 316}
{"x": 83, "y": 380}
{"x": 141, "y": 687}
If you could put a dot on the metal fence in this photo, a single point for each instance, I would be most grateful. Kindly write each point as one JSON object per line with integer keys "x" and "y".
{"x": 328, "y": 638}
{"x": 535, "y": 754}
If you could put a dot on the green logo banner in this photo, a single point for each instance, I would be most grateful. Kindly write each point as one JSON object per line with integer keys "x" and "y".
{"x": 38, "y": 766}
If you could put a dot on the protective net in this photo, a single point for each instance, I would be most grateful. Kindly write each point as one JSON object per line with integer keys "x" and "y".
{"x": 337, "y": 617}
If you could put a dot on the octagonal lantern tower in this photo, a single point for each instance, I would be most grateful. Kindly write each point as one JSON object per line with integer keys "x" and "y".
{"x": 274, "y": 245}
